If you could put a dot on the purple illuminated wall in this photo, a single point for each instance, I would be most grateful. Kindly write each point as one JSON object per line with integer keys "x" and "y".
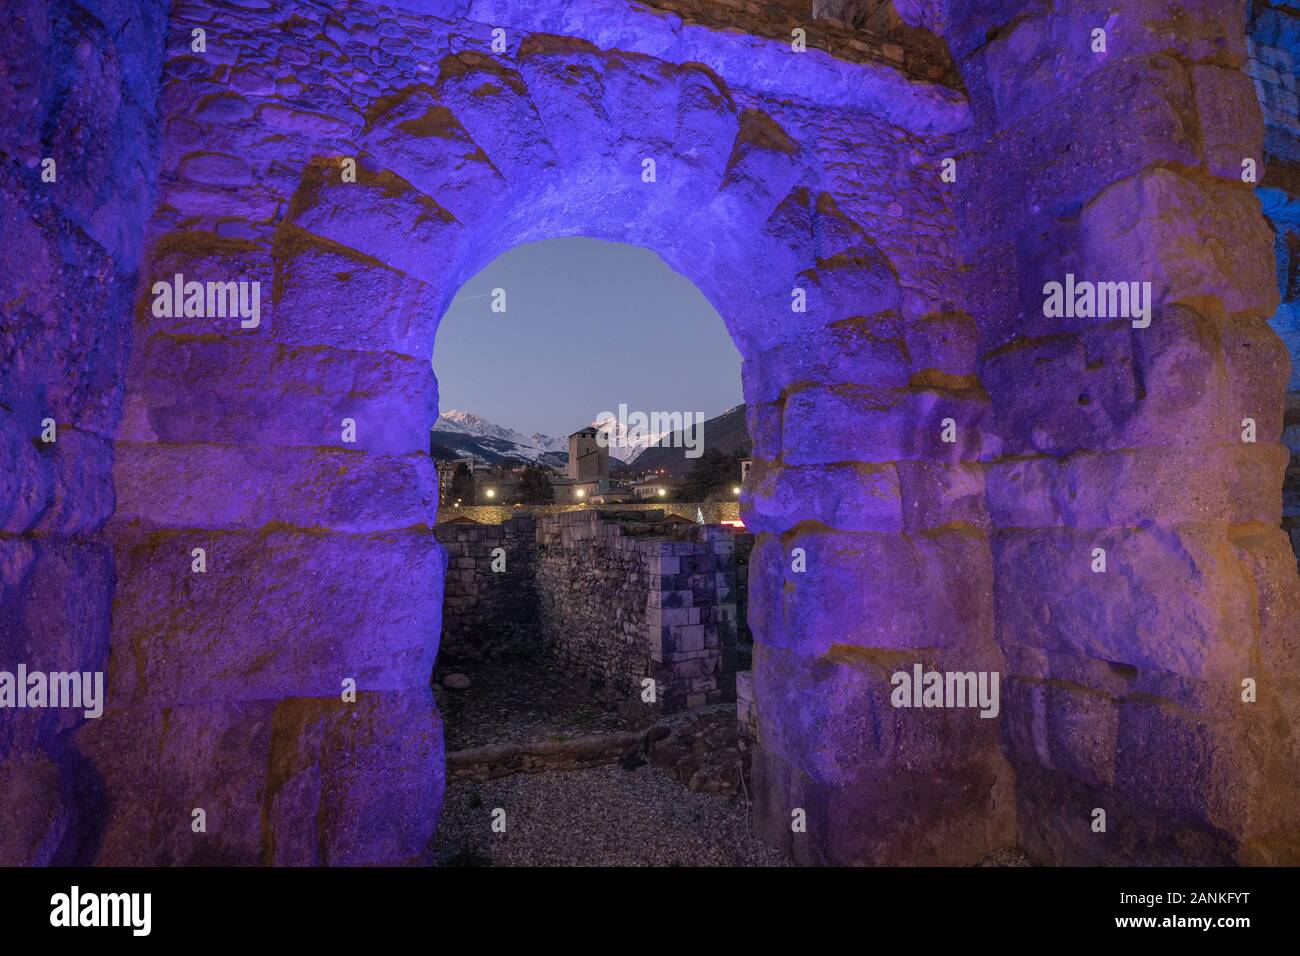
{"x": 293, "y": 452}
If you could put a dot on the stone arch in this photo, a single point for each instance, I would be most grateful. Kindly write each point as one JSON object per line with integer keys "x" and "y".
{"x": 924, "y": 307}
{"x": 232, "y": 441}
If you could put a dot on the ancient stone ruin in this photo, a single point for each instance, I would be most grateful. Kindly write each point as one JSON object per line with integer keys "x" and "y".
{"x": 618, "y": 598}
{"x": 230, "y": 230}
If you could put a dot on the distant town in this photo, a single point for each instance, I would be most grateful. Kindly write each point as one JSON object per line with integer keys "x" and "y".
{"x": 586, "y": 478}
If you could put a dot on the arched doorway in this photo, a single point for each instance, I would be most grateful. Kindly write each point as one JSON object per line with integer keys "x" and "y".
{"x": 893, "y": 348}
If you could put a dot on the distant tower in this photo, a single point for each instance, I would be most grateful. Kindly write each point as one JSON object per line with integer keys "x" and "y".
{"x": 588, "y": 459}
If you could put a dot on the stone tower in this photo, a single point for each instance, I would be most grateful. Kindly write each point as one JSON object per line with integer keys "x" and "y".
{"x": 588, "y": 458}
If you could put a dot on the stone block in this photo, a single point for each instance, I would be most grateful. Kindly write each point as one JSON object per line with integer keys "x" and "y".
{"x": 846, "y": 497}
{"x": 277, "y": 613}
{"x": 1170, "y": 599}
{"x": 1183, "y": 764}
{"x": 1237, "y": 484}
{"x": 231, "y": 486}
{"x": 329, "y": 294}
{"x": 55, "y": 599}
{"x": 1069, "y": 729}
{"x": 1202, "y": 244}
{"x": 1232, "y": 128}
{"x": 934, "y": 495}
{"x": 287, "y": 782}
{"x": 865, "y": 350}
{"x": 1115, "y": 387}
{"x": 242, "y": 391}
{"x": 1033, "y": 168}
{"x": 870, "y": 590}
{"x": 823, "y": 426}
{"x": 34, "y": 813}
{"x": 829, "y": 716}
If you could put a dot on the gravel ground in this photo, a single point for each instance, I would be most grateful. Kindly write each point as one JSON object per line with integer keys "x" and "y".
{"x": 518, "y": 701}
{"x": 606, "y": 816}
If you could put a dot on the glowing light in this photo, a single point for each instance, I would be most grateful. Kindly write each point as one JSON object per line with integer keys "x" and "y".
{"x": 735, "y": 490}
{"x": 662, "y": 492}
{"x": 491, "y": 492}
{"x": 581, "y": 493}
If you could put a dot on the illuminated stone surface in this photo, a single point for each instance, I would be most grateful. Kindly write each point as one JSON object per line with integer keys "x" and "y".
{"x": 774, "y": 171}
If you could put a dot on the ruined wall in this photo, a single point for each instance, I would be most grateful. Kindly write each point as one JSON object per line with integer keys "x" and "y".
{"x": 489, "y": 615}
{"x": 744, "y": 542}
{"x": 613, "y": 598}
{"x": 619, "y": 603}
{"x": 79, "y": 86}
{"x": 233, "y": 437}
{"x": 1124, "y": 688}
{"x": 936, "y": 460}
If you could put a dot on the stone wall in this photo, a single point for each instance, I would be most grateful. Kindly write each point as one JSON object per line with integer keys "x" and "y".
{"x": 1273, "y": 49}
{"x": 614, "y": 598}
{"x": 744, "y": 542}
{"x": 828, "y": 25}
{"x": 879, "y": 543}
{"x": 1126, "y": 684}
{"x": 487, "y": 614}
{"x": 79, "y": 87}
{"x": 622, "y": 600}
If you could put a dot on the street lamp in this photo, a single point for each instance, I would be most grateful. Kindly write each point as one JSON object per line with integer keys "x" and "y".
{"x": 491, "y": 492}
{"x": 662, "y": 492}
{"x": 735, "y": 489}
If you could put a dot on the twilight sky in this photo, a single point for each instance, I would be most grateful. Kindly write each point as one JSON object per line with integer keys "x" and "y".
{"x": 588, "y": 324}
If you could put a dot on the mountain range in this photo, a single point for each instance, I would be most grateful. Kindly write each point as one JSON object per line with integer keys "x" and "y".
{"x": 460, "y": 434}
{"x": 725, "y": 433}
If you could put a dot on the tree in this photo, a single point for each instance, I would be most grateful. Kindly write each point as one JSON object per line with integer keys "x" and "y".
{"x": 462, "y": 484}
{"x": 535, "y": 486}
{"x": 715, "y": 473}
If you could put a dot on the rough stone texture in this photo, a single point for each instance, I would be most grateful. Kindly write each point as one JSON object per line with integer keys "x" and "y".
{"x": 746, "y": 709}
{"x": 776, "y": 172}
{"x": 1273, "y": 44}
{"x": 286, "y": 782}
{"x": 625, "y": 604}
{"x": 80, "y": 86}
{"x": 1124, "y": 685}
{"x": 612, "y": 598}
{"x": 490, "y": 615}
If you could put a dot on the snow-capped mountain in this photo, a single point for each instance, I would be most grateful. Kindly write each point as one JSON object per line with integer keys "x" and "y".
{"x": 458, "y": 420}
{"x": 622, "y": 447}
{"x": 458, "y": 433}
